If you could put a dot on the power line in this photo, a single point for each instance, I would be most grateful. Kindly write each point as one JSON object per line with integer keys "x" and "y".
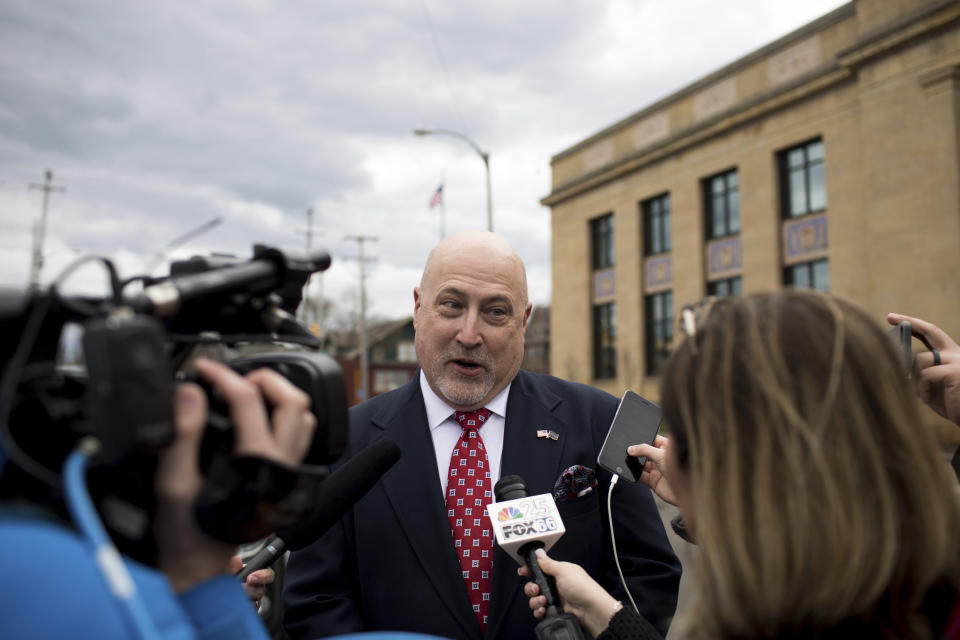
{"x": 443, "y": 66}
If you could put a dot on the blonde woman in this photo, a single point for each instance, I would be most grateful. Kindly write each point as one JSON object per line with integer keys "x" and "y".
{"x": 820, "y": 502}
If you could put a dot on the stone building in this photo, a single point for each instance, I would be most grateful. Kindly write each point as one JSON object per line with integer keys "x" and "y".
{"x": 536, "y": 341}
{"x": 829, "y": 158}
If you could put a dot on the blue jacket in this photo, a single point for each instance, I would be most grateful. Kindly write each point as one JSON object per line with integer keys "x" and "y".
{"x": 53, "y": 588}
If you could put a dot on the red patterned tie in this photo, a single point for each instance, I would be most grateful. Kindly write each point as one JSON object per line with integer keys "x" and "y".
{"x": 468, "y": 494}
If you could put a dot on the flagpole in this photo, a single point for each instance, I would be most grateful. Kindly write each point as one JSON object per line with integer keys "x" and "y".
{"x": 443, "y": 219}
{"x": 443, "y": 208}
{"x": 483, "y": 156}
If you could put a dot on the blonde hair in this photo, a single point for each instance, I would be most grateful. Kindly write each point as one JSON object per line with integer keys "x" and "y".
{"x": 819, "y": 494}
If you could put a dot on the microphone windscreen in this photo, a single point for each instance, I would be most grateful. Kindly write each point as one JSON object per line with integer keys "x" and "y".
{"x": 510, "y": 488}
{"x": 341, "y": 490}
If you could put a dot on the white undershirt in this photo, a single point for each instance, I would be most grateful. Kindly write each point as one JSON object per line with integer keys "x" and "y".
{"x": 444, "y": 430}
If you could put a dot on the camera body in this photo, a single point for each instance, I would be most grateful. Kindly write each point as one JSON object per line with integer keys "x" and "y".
{"x": 134, "y": 351}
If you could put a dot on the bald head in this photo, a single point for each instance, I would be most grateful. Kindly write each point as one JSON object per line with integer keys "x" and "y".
{"x": 470, "y": 314}
{"x": 493, "y": 249}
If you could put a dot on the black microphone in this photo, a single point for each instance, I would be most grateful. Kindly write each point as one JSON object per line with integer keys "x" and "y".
{"x": 556, "y": 625}
{"x": 336, "y": 495}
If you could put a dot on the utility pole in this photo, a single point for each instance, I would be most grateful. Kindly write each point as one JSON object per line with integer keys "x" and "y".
{"x": 40, "y": 230}
{"x": 364, "y": 361}
{"x": 310, "y": 314}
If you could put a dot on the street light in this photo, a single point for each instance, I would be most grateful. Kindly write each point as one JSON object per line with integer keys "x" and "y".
{"x": 483, "y": 156}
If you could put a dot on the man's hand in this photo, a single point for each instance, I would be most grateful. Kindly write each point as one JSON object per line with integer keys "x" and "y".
{"x": 185, "y": 553}
{"x": 256, "y": 583}
{"x": 654, "y": 473}
{"x": 937, "y": 384}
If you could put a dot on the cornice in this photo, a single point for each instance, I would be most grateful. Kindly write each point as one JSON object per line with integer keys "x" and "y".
{"x": 837, "y": 15}
{"x": 899, "y": 33}
{"x": 842, "y": 68}
{"x": 804, "y": 87}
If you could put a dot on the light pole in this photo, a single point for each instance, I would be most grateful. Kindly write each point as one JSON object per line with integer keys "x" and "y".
{"x": 483, "y": 156}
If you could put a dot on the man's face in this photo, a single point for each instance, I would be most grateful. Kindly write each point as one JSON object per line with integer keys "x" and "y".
{"x": 470, "y": 314}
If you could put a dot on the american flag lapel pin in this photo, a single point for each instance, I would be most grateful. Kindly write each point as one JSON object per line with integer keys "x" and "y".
{"x": 547, "y": 433}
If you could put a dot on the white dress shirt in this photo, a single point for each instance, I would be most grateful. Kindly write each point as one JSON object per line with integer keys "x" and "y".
{"x": 445, "y": 430}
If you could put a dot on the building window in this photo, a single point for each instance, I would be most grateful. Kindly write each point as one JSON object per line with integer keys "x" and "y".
{"x": 604, "y": 304}
{"x": 721, "y": 201}
{"x": 659, "y": 324}
{"x": 601, "y": 235}
{"x": 406, "y": 352}
{"x": 389, "y": 379}
{"x": 656, "y": 225}
{"x": 605, "y": 340}
{"x": 725, "y": 287}
{"x": 808, "y": 275}
{"x": 802, "y": 185}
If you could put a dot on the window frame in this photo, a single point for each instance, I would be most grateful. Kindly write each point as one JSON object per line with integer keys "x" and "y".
{"x": 602, "y": 250}
{"x": 806, "y": 168}
{"x": 656, "y": 357}
{"x": 709, "y": 198}
{"x": 735, "y": 283}
{"x": 604, "y": 324}
{"x": 656, "y": 209}
{"x": 789, "y": 277}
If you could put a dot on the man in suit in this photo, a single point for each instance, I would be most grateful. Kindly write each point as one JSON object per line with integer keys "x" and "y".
{"x": 406, "y": 557}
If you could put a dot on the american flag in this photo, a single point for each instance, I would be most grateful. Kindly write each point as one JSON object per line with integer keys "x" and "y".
{"x": 437, "y": 197}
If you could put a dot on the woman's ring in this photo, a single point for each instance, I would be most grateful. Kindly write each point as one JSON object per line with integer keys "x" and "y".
{"x": 936, "y": 357}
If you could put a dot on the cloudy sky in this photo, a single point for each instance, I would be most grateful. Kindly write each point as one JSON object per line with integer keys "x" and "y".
{"x": 159, "y": 116}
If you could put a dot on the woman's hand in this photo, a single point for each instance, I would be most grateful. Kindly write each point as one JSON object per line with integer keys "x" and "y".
{"x": 578, "y": 594}
{"x": 654, "y": 471}
{"x": 938, "y": 383}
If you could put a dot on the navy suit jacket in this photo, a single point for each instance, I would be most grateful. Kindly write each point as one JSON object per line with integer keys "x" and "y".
{"x": 390, "y": 563}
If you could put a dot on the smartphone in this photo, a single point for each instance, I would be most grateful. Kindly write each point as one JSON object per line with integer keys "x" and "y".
{"x": 902, "y": 334}
{"x": 637, "y": 421}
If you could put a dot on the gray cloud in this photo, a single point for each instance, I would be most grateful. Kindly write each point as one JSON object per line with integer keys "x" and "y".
{"x": 159, "y": 116}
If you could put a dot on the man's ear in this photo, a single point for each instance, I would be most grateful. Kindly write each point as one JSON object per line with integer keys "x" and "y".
{"x": 526, "y": 315}
{"x": 416, "y": 306}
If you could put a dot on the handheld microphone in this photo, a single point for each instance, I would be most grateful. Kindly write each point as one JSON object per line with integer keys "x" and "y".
{"x": 340, "y": 491}
{"x": 523, "y": 524}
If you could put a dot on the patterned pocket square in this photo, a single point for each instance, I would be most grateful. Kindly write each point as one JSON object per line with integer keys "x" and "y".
{"x": 574, "y": 482}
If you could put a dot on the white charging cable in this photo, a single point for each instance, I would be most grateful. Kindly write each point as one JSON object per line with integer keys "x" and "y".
{"x": 613, "y": 541}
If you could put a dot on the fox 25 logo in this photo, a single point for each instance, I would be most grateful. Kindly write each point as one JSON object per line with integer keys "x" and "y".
{"x": 529, "y": 527}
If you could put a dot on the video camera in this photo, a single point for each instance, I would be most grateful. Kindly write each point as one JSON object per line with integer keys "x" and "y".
{"x": 134, "y": 349}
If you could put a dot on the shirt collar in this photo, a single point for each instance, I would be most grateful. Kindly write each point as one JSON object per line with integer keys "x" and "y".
{"x": 438, "y": 410}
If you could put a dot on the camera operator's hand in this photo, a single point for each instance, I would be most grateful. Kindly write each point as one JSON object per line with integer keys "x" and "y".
{"x": 654, "y": 471}
{"x": 186, "y": 554}
{"x": 937, "y": 384}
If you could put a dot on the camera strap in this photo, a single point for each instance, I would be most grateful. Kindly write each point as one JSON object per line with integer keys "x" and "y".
{"x": 107, "y": 558}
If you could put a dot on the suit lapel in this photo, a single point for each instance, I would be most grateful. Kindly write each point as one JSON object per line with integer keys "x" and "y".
{"x": 413, "y": 488}
{"x": 530, "y": 408}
